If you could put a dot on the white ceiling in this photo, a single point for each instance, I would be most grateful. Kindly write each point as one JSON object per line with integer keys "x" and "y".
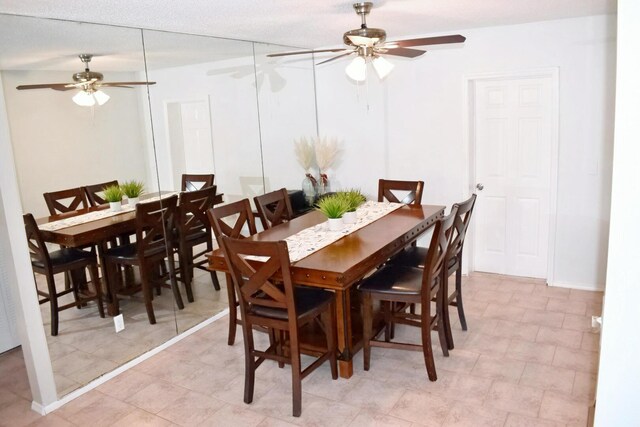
{"x": 306, "y": 23}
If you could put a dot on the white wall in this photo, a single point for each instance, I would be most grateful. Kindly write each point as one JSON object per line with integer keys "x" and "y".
{"x": 412, "y": 126}
{"x": 619, "y": 374}
{"x": 59, "y": 145}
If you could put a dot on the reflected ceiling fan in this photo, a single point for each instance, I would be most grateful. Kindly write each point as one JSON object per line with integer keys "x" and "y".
{"x": 88, "y": 82}
{"x": 369, "y": 44}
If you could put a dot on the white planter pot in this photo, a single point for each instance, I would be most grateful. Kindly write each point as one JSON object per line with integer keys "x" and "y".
{"x": 335, "y": 224}
{"x": 133, "y": 201}
{"x": 115, "y": 206}
{"x": 349, "y": 217}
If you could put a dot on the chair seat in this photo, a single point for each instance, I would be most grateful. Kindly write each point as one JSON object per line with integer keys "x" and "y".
{"x": 306, "y": 300}
{"x": 65, "y": 256}
{"x": 415, "y": 256}
{"x": 394, "y": 280}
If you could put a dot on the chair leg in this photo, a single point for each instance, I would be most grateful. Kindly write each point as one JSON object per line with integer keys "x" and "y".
{"x": 459, "y": 306}
{"x": 233, "y": 312}
{"x": 446, "y": 321}
{"x": 331, "y": 332}
{"x": 214, "y": 280}
{"x": 147, "y": 291}
{"x": 112, "y": 275}
{"x": 387, "y": 307}
{"x": 53, "y": 303}
{"x": 174, "y": 283}
{"x": 296, "y": 380}
{"x": 93, "y": 272}
{"x": 249, "y": 363}
{"x": 427, "y": 350}
{"x": 367, "y": 327}
{"x": 440, "y": 324}
{"x": 186, "y": 264}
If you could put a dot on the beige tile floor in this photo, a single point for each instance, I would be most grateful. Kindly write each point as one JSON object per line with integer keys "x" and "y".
{"x": 528, "y": 359}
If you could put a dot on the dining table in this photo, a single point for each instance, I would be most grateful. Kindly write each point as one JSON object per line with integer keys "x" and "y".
{"x": 341, "y": 265}
{"x": 97, "y": 232}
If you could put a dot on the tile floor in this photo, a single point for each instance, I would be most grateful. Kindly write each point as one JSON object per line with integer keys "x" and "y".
{"x": 528, "y": 359}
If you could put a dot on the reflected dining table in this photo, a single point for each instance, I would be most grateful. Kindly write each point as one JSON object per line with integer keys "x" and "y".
{"x": 342, "y": 264}
{"x": 97, "y": 232}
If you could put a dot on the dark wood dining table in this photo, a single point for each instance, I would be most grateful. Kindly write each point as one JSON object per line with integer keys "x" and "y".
{"x": 342, "y": 264}
{"x": 97, "y": 232}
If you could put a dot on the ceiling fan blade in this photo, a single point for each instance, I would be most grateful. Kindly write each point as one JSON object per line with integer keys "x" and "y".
{"x": 55, "y": 86}
{"x": 457, "y": 38}
{"x": 304, "y": 51}
{"x": 336, "y": 57}
{"x": 403, "y": 51}
{"x": 125, "y": 84}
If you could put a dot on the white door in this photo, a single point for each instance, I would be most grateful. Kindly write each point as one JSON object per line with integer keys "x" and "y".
{"x": 512, "y": 122}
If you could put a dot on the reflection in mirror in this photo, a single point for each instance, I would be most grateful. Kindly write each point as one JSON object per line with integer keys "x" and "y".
{"x": 59, "y": 144}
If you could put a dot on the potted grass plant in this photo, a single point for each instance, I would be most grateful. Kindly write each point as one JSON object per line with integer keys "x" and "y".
{"x": 132, "y": 189}
{"x": 113, "y": 195}
{"x": 354, "y": 199}
{"x": 333, "y": 207}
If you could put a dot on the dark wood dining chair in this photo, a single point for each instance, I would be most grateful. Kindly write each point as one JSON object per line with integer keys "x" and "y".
{"x": 64, "y": 260}
{"x": 274, "y": 208}
{"x": 154, "y": 243}
{"x": 395, "y": 285}
{"x": 389, "y": 190}
{"x": 66, "y": 200}
{"x": 269, "y": 299}
{"x": 192, "y": 182}
{"x": 194, "y": 229}
{"x": 232, "y": 220}
{"x": 415, "y": 257}
{"x": 94, "y": 192}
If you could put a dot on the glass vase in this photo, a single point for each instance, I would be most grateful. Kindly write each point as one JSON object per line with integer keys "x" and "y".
{"x": 310, "y": 189}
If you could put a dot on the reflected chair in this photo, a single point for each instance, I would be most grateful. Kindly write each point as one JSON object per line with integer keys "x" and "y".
{"x": 66, "y": 200}
{"x": 232, "y": 220}
{"x": 389, "y": 189}
{"x": 269, "y": 299}
{"x": 192, "y": 182}
{"x": 395, "y": 285}
{"x": 194, "y": 229}
{"x": 154, "y": 243}
{"x": 65, "y": 260}
{"x": 94, "y": 192}
{"x": 415, "y": 257}
{"x": 274, "y": 208}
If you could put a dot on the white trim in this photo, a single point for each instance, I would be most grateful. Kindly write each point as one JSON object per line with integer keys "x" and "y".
{"x": 469, "y": 152}
{"x": 43, "y": 410}
{"x": 580, "y": 286}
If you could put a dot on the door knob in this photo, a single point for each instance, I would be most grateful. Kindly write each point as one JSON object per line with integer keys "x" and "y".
{"x": 480, "y": 187}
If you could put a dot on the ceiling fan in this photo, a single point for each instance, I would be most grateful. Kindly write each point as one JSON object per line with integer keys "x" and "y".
{"x": 88, "y": 82}
{"x": 369, "y": 44}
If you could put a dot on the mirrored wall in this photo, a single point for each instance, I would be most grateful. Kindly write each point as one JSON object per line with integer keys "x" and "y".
{"x": 217, "y": 106}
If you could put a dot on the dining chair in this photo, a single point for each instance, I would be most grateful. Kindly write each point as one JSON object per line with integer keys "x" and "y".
{"x": 64, "y": 260}
{"x": 94, "y": 192}
{"x": 234, "y": 220}
{"x": 415, "y": 257}
{"x": 394, "y": 285}
{"x": 194, "y": 229}
{"x": 274, "y": 208}
{"x": 192, "y": 182}
{"x": 389, "y": 190}
{"x": 154, "y": 243}
{"x": 269, "y": 299}
{"x": 66, "y": 200}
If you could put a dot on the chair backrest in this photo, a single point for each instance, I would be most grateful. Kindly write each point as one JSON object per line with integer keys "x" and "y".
{"x": 154, "y": 226}
{"x": 387, "y": 187}
{"x": 94, "y": 192}
{"x": 66, "y": 200}
{"x": 192, "y": 211}
{"x": 461, "y": 224}
{"x": 193, "y": 182}
{"x": 436, "y": 255}
{"x": 238, "y": 215}
{"x": 274, "y": 208}
{"x": 37, "y": 247}
{"x": 254, "y": 283}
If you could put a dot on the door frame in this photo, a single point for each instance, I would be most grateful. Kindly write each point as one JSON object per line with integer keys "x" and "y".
{"x": 469, "y": 145}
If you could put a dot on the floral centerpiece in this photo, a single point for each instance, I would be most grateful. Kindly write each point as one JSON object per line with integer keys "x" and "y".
{"x": 326, "y": 150}
{"x": 305, "y": 155}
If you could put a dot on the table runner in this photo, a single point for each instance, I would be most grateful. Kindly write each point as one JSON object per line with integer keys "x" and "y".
{"x": 94, "y": 216}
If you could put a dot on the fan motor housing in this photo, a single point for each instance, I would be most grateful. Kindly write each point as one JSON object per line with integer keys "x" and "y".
{"x": 370, "y": 33}
{"x": 87, "y": 76}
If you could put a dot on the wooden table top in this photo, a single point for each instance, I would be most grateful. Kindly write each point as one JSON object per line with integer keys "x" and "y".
{"x": 93, "y": 231}
{"x": 347, "y": 260}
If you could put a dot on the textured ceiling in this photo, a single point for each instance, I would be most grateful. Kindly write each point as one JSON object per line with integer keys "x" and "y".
{"x": 306, "y": 23}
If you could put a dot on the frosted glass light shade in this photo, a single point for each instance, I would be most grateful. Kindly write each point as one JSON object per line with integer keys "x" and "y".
{"x": 100, "y": 97}
{"x": 382, "y": 67}
{"x": 84, "y": 99}
{"x": 357, "y": 69}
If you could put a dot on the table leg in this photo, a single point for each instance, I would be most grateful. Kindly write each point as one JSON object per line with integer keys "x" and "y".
{"x": 112, "y": 308}
{"x": 345, "y": 336}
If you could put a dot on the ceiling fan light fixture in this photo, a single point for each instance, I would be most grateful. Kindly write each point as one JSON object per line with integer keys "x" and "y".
{"x": 84, "y": 99}
{"x": 382, "y": 67}
{"x": 357, "y": 69}
{"x": 100, "y": 97}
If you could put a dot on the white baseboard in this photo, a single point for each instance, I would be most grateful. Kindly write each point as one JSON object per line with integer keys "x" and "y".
{"x": 43, "y": 410}
{"x": 580, "y": 286}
